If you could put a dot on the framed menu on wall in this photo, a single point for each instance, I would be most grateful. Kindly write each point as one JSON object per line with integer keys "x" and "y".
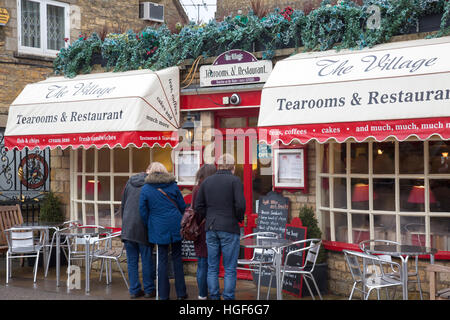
{"x": 186, "y": 165}
{"x": 290, "y": 168}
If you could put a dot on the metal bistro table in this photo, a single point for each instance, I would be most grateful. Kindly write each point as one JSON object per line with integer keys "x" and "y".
{"x": 86, "y": 233}
{"x": 42, "y": 226}
{"x": 403, "y": 251}
{"x": 277, "y": 246}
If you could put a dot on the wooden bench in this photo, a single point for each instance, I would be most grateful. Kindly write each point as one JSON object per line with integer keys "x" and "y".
{"x": 9, "y": 217}
{"x": 433, "y": 270}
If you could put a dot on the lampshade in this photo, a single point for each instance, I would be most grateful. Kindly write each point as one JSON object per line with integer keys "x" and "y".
{"x": 417, "y": 195}
{"x": 90, "y": 186}
{"x": 361, "y": 193}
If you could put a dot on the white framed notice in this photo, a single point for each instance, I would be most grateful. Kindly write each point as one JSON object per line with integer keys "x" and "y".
{"x": 289, "y": 168}
{"x": 186, "y": 165}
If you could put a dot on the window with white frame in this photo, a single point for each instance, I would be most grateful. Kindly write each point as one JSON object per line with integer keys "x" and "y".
{"x": 98, "y": 177}
{"x": 385, "y": 190}
{"x": 43, "y": 26}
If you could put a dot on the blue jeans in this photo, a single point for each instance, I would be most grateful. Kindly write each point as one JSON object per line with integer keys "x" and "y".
{"x": 227, "y": 244}
{"x": 202, "y": 274}
{"x": 133, "y": 250}
{"x": 163, "y": 276}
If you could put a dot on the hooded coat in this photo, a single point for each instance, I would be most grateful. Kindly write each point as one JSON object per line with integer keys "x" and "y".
{"x": 132, "y": 227}
{"x": 161, "y": 217}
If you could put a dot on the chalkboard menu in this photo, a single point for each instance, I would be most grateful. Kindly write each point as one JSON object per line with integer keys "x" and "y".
{"x": 273, "y": 212}
{"x": 188, "y": 251}
{"x": 292, "y": 283}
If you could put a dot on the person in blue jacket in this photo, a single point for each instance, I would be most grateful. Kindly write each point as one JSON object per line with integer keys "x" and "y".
{"x": 161, "y": 206}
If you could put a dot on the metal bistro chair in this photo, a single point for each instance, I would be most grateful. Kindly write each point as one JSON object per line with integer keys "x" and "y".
{"x": 23, "y": 244}
{"x": 367, "y": 244}
{"x": 106, "y": 252}
{"x": 371, "y": 274}
{"x": 309, "y": 263}
{"x": 257, "y": 262}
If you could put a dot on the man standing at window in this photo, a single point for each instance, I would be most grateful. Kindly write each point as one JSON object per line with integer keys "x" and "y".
{"x": 221, "y": 199}
{"x": 134, "y": 235}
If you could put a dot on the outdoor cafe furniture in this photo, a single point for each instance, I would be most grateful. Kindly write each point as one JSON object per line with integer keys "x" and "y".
{"x": 60, "y": 227}
{"x": 368, "y": 271}
{"x": 433, "y": 271}
{"x": 363, "y": 245}
{"x": 274, "y": 244}
{"x": 104, "y": 251}
{"x": 311, "y": 248}
{"x": 83, "y": 236}
{"x": 259, "y": 258}
{"x": 42, "y": 227}
{"x": 22, "y": 243}
{"x": 402, "y": 251}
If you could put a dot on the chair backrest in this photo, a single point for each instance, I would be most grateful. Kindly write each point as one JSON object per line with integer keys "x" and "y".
{"x": 358, "y": 262}
{"x": 21, "y": 239}
{"x": 24, "y": 239}
{"x": 313, "y": 252}
{"x": 261, "y": 235}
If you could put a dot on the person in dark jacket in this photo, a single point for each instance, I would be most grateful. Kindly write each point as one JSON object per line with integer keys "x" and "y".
{"x": 221, "y": 199}
{"x": 200, "y": 243}
{"x": 134, "y": 237}
{"x": 162, "y": 215}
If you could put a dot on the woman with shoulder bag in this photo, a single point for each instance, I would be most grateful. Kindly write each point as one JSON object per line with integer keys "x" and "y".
{"x": 161, "y": 206}
{"x": 200, "y": 244}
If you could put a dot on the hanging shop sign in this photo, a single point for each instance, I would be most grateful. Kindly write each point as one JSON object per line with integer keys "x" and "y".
{"x": 4, "y": 16}
{"x": 235, "y": 67}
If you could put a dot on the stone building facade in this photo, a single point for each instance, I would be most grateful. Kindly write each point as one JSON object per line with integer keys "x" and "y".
{"x": 20, "y": 66}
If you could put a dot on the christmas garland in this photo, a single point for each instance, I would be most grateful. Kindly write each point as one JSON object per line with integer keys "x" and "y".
{"x": 330, "y": 26}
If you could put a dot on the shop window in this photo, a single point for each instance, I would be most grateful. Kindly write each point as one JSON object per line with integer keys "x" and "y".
{"x": 439, "y": 157}
{"x": 121, "y": 160}
{"x": 400, "y": 193}
{"x": 340, "y": 193}
{"x": 97, "y": 190}
{"x": 383, "y": 158}
{"x": 43, "y": 26}
{"x": 359, "y": 158}
{"x": 384, "y": 194}
{"x": 340, "y": 158}
{"x": 411, "y": 157}
{"x": 440, "y": 195}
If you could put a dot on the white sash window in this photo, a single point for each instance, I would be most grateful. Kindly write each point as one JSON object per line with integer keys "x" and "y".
{"x": 42, "y": 26}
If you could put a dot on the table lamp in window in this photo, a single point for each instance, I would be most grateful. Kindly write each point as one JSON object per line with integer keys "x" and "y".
{"x": 417, "y": 196}
{"x": 360, "y": 196}
{"x": 90, "y": 187}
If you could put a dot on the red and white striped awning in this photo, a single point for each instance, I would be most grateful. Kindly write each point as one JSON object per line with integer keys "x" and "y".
{"x": 398, "y": 90}
{"x": 106, "y": 109}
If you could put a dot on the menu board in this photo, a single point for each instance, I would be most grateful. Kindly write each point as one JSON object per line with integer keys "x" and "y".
{"x": 290, "y": 168}
{"x": 187, "y": 250}
{"x": 292, "y": 283}
{"x": 187, "y": 163}
{"x": 273, "y": 212}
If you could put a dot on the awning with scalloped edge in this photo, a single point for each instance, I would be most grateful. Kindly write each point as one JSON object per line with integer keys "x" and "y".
{"x": 104, "y": 109}
{"x": 399, "y": 90}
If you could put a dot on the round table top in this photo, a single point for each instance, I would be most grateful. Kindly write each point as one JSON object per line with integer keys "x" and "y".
{"x": 39, "y": 225}
{"x": 85, "y": 231}
{"x": 265, "y": 243}
{"x": 400, "y": 249}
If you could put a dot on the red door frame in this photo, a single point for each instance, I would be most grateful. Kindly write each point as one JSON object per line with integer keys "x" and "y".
{"x": 249, "y": 222}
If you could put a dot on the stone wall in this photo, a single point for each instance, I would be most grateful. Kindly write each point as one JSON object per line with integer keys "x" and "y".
{"x": 340, "y": 281}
